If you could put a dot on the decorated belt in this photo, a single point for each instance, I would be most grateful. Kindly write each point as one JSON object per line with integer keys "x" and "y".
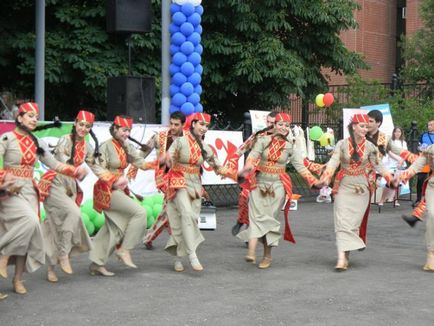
{"x": 22, "y": 172}
{"x": 271, "y": 169}
{"x": 186, "y": 169}
{"x": 355, "y": 172}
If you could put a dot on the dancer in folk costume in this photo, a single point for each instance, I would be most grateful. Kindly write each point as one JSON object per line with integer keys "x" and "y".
{"x": 425, "y": 158}
{"x": 125, "y": 219}
{"x": 185, "y": 191}
{"x": 63, "y": 229}
{"x": 20, "y": 233}
{"x": 270, "y": 185}
{"x": 352, "y": 188}
{"x": 243, "y": 212}
{"x": 5, "y": 186}
{"x": 161, "y": 142}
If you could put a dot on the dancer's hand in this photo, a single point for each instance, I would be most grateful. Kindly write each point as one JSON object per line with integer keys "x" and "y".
{"x": 81, "y": 173}
{"x": 8, "y": 181}
{"x": 120, "y": 183}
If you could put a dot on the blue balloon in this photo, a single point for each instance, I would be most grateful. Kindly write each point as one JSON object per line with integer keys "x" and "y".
{"x": 198, "y": 108}
{"x": 194, "y": 58}
{"x": 179, "y": 18}
{"x": 187, "y": 9}
{"x": 194, "y": 98}
{"x": 198, "y": 29}
{"x": 173, "y": 69}
{"x": 173, "y": 89}
{"x": 193, "y": 38}
{"x": 179, "y": 59}
{"x": 174, "y": 28}
{"x": 195, "y": 19}
{"x": 187, "y": 68}
{"x": 173, "y": 49}
{"x": 199, "y": 49}
{"x": 179, "y": 78}
{"x": 187, "y": 48}
{"x": 179, "y": 99}
{"x": 198, "y": 69}
{"x": 187, "y": 29}
{"x": 187, "y": 89}
{"x": 173, "y": 109}
{"x": 187, "y": 108}
{"x": 178, "y": 38}
{"x": 199, "y": 10}
{"x": 195, "y": 79}
{"x": 175, "y": 8}
{"x": 197, "y": 89}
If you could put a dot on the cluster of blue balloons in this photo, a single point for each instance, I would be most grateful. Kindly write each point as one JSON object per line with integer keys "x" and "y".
{"x": 186, "y": 50}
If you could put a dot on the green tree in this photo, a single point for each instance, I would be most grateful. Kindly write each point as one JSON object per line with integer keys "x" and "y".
{"x": 419, "y": 48}
{"x": 255, "y": 52}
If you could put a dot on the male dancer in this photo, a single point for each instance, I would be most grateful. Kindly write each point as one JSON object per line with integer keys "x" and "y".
{"x": 161, "y": 142}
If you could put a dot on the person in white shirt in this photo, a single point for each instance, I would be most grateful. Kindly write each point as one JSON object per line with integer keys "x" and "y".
{"x": 398, "y": 139}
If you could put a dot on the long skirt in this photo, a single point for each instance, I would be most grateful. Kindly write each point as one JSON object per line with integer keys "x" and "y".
{"x": 350, "y": 206}
{"x": 20, "y": 232}
{"x": 63, "y": 229}
{"x": 183, "y": 213}
{"x": 125, "y": 225}
{"x": 265, "y": 204}
{"x": 429, "y": 197}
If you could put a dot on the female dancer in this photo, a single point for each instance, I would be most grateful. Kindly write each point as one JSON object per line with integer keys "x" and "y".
{"x": 355, "y": 156}
{"x": 125, "y": 220}
{"x": 426, "y": 157}
{"x": 64, "y": 232}
{"x": 185, "y": 191}
{"x": 270, "y": 185}
{"x": 20, "y": 233}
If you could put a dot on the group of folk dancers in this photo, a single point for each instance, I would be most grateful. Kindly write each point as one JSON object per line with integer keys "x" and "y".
{"x": 181, "y": 151}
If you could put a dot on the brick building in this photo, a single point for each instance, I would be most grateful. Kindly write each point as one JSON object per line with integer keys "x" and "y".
{"x": 381, "y": 24}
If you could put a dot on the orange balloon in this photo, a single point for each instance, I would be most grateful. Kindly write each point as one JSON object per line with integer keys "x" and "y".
{"x": 328, "y": 99}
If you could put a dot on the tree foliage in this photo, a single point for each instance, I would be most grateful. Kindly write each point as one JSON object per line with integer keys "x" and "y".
{"x": 419, "y": 48}
{"x": 255, "y": 52}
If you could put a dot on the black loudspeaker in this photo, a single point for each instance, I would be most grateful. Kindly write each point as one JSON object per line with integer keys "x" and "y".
{"x": 131, "y": 96}
{"x": 129, "y": 16}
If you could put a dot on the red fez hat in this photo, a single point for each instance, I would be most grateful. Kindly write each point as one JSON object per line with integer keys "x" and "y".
{"x": 123, "y": 122}
{"x": 85, "y": 116}
{"x": 29, "y": 107}
{"x": 283, "y": 117}
{"x": 360, "y": 117}
{"x": 202, "y": 117}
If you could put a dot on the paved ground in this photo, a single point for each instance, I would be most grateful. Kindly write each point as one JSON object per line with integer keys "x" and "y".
{"x": 385, "y": 285}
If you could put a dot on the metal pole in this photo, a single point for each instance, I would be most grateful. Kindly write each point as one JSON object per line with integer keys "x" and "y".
{"x": 40, "y": 58}
{"x": 165, "y": 61}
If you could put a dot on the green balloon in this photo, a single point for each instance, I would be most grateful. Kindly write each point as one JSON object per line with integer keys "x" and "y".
{"x": 99, "y": 221}
{"x": 87, "y": 208}
{"x": 315, "y": 133}
{"x": 149, "y": 221}
{"x": 156, "y": 210}
{"x": 158, "y": 199}
{"x": 42, "y": 215}
{"x": 85, "y": 218}
{"x": 147, "y": 201}
{"x": 149, "y": 211}
{"x": 90, "y": 227}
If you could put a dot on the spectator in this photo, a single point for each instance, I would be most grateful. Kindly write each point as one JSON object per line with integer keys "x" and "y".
{"x": 398, "y": 139}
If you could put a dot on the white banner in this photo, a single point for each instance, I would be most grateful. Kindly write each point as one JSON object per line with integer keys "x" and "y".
{"x": 259, "y": 119}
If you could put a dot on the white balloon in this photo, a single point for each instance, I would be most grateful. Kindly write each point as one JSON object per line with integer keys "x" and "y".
{"x": 180, "y": 2}
{"x": 196, "y": 2}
